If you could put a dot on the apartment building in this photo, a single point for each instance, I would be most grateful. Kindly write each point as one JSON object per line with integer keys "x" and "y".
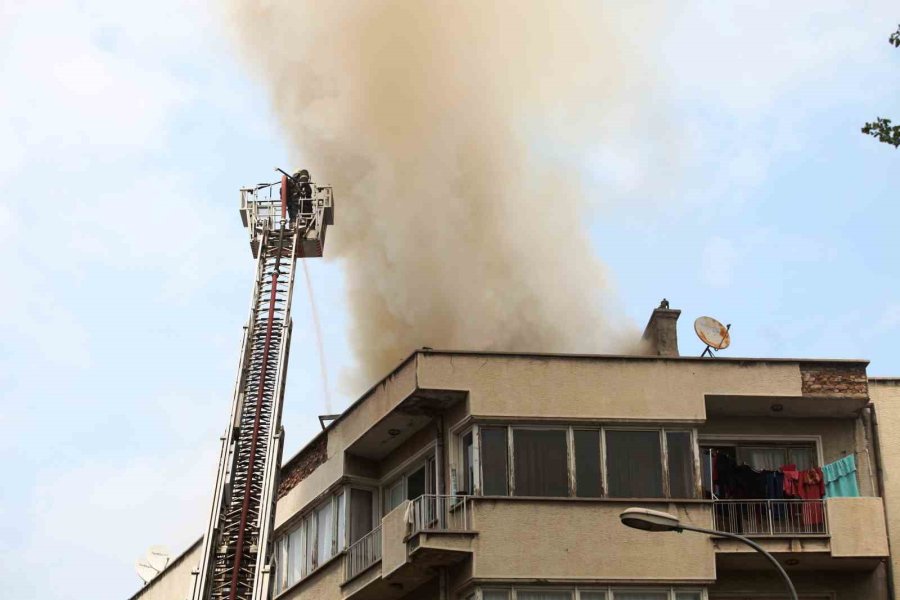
{"x": 500, "y": 476}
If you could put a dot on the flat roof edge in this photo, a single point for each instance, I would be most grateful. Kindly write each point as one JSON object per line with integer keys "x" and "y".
{"x": 641, "y": 357}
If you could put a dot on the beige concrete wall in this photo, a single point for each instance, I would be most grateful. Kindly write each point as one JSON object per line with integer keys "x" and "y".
{"x": 885, "y": 395}
{"x": 323, "y": 584}
{"x": 582, "y": 388}
{"x": 175, "y": 582}
{"x": 814, "y": 584}
{"x": 857, "y": 527}
{"x": 839, "y": 437}
{"x": 372, "y": 408}
{"x": 309, "y": 489}
{"x": 535, "y": 539}
{"x": 393, "y": 539}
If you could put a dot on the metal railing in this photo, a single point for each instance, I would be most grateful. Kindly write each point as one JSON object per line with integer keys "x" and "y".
{"x": 263, "y": 203}
{"x": 364, "y": 553}
{"x": 440, "y": 513}
{"x": 771, "y": 517}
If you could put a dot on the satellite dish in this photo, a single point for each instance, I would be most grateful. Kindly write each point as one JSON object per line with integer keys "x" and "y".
{"x": 145, "y": 571}
{"x": 152, "y": 565}
{"x": 712, "y": 333}
{"x": 158, "y": 557}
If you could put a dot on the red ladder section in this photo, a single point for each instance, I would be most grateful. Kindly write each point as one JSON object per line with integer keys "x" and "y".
{"x": 237, "y": 548}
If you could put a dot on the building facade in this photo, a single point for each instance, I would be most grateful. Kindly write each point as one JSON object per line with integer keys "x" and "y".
{"x": 494, "y": 476}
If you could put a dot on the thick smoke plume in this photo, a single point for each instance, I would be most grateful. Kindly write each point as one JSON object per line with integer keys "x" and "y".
{"x": 454, "y": 136}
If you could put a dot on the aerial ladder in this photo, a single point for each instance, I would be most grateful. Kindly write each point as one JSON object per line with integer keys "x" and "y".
{"x": 286, "y": 220}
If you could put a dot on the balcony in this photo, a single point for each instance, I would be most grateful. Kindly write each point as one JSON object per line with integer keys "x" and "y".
{"x": 835, "y": 533}
{"x": 440, "y": 530}
{"x": 430, "y": 513}
{"x": 364, "y": 553}
{"x": 771, "y": 517}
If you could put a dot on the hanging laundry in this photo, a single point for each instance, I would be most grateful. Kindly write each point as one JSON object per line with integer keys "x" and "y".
{"x": 812, "y": 487}
{"x": 840, "y": 478}
{"x": 791, "y": 484}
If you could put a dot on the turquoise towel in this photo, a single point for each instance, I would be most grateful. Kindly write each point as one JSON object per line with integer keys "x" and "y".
{"x": 840, "y": 478}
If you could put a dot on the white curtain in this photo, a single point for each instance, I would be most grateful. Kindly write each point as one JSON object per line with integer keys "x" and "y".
{"x": 760, "y": 459}
{"x": 294, "y": 555}
{"x": 325, "y": 532}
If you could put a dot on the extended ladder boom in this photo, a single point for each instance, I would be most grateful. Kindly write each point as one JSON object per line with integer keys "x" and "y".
{"x": 237, "y": 550}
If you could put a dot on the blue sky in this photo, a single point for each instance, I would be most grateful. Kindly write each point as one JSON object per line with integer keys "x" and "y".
{"x": 125, "y": 132}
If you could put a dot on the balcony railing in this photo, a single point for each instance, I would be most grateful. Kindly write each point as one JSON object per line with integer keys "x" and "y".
{"x": 440, "y": 513}
{"x": 364, "y": 553}
{"x": 771, "y": 517}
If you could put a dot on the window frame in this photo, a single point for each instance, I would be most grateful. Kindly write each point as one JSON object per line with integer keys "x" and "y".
{"x": 695, "y": 484}
{"x": 400, "y": 475}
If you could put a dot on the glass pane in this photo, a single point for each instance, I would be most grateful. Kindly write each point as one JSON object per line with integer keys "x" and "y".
{"x": 309, "y": 544}
{"x": 468, "y": 484}
{"x": 804, "y": 458}
{"x": 495, "y": 594}
{"x": 543, "y": 595}
{"x": 638, "y": 595}
{"x": 341, "y": 522}
{"x": 360, "y": 513}
{"x": 687, "y": 596}
{"x": 325, "y": 537}
{"x": 762, "y": 458}
{"x": 681, "y": 464}
{"x": 587, "y": 464}
{"x": 634, "y": 464}
{"x": 393, "y": 495}
{"x": 415, "y": 484}
{"x": 281, "y": 564}
{"x": 494, "y": 451}
{"x": 583, "y": 595}
{"x": 295, "y": 558}
{"x": 540, "y": 462}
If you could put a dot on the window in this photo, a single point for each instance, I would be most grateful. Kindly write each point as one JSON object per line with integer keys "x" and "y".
{"x": 318, "y": 536}
{"x": 633, "y": 464}
{"x": 541, "y": 462}
{"x": 468, "y": 460}
{"x": 587, "y": 463}
{"x": 393, "y": 495}
{"x": 494, "y": 454}
{"x": 409, "y": 486}
{"x": 569, "y": 461}
{"x": 543, "y": 595}
{"x": 415, "y": 483}
{"x": 325, "y": 533}
{"x": 680, "y": 449}
{"x": 360, "y": 513}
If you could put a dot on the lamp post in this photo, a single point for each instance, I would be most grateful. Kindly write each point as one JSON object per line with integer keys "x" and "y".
{"x": 655, "y": 520}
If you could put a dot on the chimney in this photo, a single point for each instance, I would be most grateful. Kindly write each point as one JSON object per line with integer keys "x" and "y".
{"x": 661, "y": 334}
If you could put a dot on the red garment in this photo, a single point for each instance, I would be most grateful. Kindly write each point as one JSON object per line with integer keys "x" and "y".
{"x": 812, "y": 487}
{"x": 791, "y": 481}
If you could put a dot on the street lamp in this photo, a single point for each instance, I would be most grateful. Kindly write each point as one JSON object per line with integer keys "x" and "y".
{"x": 655, "y": 520}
